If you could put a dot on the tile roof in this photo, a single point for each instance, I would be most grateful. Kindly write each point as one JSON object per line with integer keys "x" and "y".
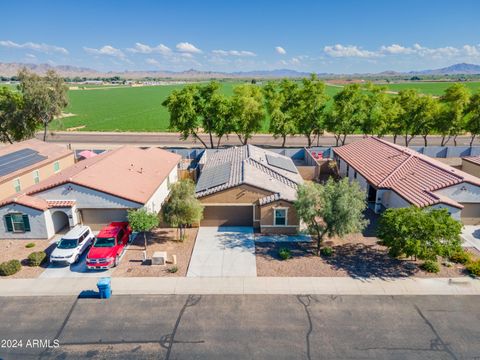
{"x": 472, "y": 159}
{"x": 249, "y": 166}
{"x": 412, "y": 175}
{"x": 60, "y": 203}
{"x": 128, "y": 172}
{"x": 52, "y": 152}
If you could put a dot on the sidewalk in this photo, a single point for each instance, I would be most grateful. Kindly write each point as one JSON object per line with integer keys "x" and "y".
{"x": 244, "y": 285}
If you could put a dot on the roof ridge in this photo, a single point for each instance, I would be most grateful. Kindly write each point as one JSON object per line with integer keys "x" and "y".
{"x": 396, "y": 170}
{"x": 262, "y": 167}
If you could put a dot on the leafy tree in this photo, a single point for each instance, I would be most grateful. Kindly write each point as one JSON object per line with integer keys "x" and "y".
{"x": 142, "y": 221}
{"x": 455, "y": 101}
{"x": 182, "y": 207}
{"x": 310, "y": 111}
{"x": 393, "y": 125}
{"x": 247, "y": 111}
{"x": 473, "y": 117}
{"x": 195, "y": 108}
{"x": 419, "y": 233}
{"x": 281, "y": 101}
{"x": 382, "y": 111}
{"x": 349, "y": 111}
{"x": 44, "y": 97}
{"x": 335, "y": 208}
{"x": 14, "y": 124}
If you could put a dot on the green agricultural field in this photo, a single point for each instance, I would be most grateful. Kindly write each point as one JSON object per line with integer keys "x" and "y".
{"x": 432, "y": 88}
{"x": 127, "y": 108}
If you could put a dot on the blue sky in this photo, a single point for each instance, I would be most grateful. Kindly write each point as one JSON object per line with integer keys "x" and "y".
{"x": 321, "y": 36}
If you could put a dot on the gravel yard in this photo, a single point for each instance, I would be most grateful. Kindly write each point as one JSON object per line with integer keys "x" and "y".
{"x": 16, "y": 250}
{"x": 162, "y": 239}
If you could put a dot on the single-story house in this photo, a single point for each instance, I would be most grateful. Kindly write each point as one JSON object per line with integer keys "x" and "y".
{"x": 26, "y": 163}
{"x": 471, "y": 165}
{"x": 94, "y": 191}
{"x": 394, "y": 176}
{"x": 249, "y": 186}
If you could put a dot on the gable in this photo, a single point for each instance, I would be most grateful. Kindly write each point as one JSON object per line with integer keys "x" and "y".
{"x": 241, "y": 194}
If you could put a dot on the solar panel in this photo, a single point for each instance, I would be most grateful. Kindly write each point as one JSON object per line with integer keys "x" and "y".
{"x": 282, "y": 163}
{"x": 19, "y": 160}
{"x": 214, "y": 176}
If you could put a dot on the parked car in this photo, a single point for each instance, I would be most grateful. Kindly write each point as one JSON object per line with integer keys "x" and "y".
{"x": 108, "y": 246}
{"x": 72, "y": 245}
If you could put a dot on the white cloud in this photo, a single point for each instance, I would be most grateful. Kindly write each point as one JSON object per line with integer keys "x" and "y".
{"x": 44, "y": 48}
{"x": 107, "y": 50}
{"x": 186, "y": 47}
{"x": 395, "y": 49}
{"x": 240, "y": 53}
{"x": 280, "y": 50}
{"x": 151, "y": 61}
{"x": 31, "y": 56}
{"x": 339, "y": 50}
{"x": 140, "y": 48}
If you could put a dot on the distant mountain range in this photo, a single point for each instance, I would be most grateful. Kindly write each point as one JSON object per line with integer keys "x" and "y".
{"x": 11, "y": 69}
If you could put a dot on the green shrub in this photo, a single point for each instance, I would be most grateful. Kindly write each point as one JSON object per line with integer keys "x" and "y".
{"x": 284, "y": 253}
{"x": 326, "y": 251}
{"x": 36, "y": 258}
{"x": 11, "y": 267}
{"x": 461, "y": 257}
{"x": 473, "y": 267}
{"x": 172, "y": 270}
{"x": 430, "y": 266}
{"x": 30, "y": 245}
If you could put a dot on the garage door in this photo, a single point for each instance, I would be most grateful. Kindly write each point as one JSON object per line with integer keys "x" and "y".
{"x": 97, "y": 218}
{"x": 470, "y": 214}
{"x": 227, "y": 216}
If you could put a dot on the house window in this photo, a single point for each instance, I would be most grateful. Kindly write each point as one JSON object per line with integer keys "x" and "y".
{"x": 18, "y": 223}
{"x": 348, "y": 169}
{"x": 354, "y": 174}
{"x": 280, "y": 217}
{"x": 36, "y": 177}
{"x": 16, "y": 185}
{"x": 56, "y": 166}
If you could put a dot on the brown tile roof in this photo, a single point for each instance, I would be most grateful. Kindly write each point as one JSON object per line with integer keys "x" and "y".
{"x": 127, "y": 172}
{"x": 472, "y": 159}
{"x": 412, "y": 175}
{"x": 53, "y": 152}
{"x": 60, "y": 203}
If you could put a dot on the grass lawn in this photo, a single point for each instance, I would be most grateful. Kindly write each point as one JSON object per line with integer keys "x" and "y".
{"x": 432, "y": 88}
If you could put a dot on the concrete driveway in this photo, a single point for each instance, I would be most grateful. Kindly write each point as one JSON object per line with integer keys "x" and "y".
{"x": 223, "y": 251}
{"x": 471, "y": 236}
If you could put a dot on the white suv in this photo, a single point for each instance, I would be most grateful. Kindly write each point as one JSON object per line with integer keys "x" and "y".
{"x": 72, "y": 245}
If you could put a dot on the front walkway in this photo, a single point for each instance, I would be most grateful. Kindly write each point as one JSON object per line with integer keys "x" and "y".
{"x": 471, "y": 236}
{"x": 243, "y": 286}
{"x": 223, "y": 252}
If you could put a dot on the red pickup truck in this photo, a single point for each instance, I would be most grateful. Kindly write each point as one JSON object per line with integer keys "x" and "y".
{"x": 108, "y": 246}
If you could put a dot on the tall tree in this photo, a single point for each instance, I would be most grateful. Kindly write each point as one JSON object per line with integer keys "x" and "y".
{"x": 197, "y": 108}
{"x": 281, "y": 101}
{"x": 182, "y": 207}
{"x": 349, "y": 111}
{"x": 381, "y": 111}
{"x": 248, "y": 111}
{"x": 393, "y": 124}
{"x": 310, "y": 111}
{"x": 44, "y": 97}
{"x": 473, "y": 117}
{"x": 455, "y": 101}
{"x": 15, "y": 125}
{"x": 335, "y": 208}
{"x": 142, "y": 221}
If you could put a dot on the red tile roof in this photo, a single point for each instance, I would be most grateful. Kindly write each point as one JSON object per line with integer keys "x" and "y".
{"x": 60, "y": 203}
{"x": 410, "y": 174}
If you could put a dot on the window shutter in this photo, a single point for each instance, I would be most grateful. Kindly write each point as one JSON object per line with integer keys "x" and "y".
{"x": 26, "y": 222}
{"x": 8, "y": 222}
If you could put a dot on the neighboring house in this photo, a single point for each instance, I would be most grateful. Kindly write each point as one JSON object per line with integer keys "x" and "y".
{"x": 26, "y": 163}
{"x": 249, "y": 186}
{"x": 471, "y": 165}
{"x": 94, "y": 191}
{"x": 394, "y": 176}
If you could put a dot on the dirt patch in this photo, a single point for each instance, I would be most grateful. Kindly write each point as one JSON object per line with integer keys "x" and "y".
{"x": 16, "y": 250}
{"x": 163, "y": 239}
{"x": 356, "y": 255}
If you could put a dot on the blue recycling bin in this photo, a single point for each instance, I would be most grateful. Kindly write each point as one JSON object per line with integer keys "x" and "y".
{"x": 104, "y": 287}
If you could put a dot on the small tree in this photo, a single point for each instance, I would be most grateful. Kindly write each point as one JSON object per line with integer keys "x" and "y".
{"x": 182, "y": 207}
{"x": 419, "y": 233}
{"x": 142, "y": 221}
{"x": 14, "y": 124}
{"x": 473, "y": 117}
{"x": 335, "y": 208}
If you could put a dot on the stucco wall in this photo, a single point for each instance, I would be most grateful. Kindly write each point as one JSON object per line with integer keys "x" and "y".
{"x": 462, "y": 193}
{"x": 38, "y": 228}
{"x": 158, "y": 198}
{"x": 471, "y": 168}
{"x": 454, "y": 212}
{"x": 7, "y": 189}
{"x": 243, "y": 194}
{"x": 390, "y": 199}
{"x": 266, "y": 218}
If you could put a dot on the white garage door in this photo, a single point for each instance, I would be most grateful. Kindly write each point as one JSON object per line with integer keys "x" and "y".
{"x": 97, "y": 218}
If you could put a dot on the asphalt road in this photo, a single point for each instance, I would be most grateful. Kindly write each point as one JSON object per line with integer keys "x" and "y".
{"x": 173, "y": 139}
{"x": 244, "y": 327}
